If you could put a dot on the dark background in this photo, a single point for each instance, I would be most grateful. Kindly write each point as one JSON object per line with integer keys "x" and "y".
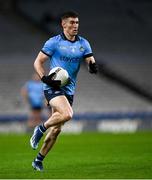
{"x": 119, "y": 32}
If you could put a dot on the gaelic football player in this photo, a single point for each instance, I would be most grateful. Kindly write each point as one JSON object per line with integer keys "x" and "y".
{"x": 66, "y": 50}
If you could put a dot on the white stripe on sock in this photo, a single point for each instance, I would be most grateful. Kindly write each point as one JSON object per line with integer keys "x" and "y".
{"x": 40, "y": 130}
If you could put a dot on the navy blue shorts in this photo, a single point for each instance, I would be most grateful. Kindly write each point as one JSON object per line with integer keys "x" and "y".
{"x": 50, "y": 94}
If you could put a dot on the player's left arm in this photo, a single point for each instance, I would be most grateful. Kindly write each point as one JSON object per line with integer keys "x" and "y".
{"x": 92, "y": 66}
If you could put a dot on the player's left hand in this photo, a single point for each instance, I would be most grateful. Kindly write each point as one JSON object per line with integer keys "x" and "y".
{"x": 93, "y": 68}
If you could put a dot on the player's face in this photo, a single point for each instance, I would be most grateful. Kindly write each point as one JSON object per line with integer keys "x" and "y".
{"x": 71, "y": 25}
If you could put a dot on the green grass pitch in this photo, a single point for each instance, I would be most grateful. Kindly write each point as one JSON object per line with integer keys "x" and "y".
{"x": 88, "y": 155}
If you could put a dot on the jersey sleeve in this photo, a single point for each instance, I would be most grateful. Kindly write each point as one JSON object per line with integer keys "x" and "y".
{"x": 49, "y": 47}
{"x": 87, "y": 49}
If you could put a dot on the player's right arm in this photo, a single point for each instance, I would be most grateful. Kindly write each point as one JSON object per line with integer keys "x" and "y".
{"x": 38, "y": 64}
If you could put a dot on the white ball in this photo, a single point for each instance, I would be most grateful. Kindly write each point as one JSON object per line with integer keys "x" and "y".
{"x": 61, "y": 74}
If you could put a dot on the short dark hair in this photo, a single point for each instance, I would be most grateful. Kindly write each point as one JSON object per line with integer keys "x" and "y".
{"x": 68, "y": 14}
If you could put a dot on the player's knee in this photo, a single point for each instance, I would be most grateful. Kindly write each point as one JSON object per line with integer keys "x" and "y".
{"x": 67, "y": 115}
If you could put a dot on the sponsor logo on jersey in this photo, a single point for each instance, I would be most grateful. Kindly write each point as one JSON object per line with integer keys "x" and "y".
{"x": 70, "y": 59}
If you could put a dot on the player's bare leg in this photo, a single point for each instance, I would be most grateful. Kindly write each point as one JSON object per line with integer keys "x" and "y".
{"x": 50, "y": 139}
{"x": 62, "y": 112}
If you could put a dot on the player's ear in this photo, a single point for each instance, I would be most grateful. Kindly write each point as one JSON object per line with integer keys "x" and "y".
{"x": 63, "y": 23}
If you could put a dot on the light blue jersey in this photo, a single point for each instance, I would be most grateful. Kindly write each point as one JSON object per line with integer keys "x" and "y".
{"x": 68, "y": 55}
{"x": 35, "y": 93}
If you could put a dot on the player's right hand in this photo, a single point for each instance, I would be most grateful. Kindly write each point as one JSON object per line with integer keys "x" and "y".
{"x": 50, "y": 82}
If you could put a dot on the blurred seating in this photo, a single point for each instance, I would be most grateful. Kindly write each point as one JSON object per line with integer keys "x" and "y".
{"x": 120, "y": 34}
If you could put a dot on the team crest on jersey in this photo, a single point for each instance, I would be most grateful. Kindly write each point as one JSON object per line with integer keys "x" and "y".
{"x": 81, "y": 49}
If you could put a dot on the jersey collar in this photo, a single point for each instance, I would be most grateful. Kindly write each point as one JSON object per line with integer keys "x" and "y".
{"x": 65, "y": 38}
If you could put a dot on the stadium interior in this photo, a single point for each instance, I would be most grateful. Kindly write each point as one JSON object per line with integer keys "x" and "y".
{"x": 120, "y": 35}
{"x": 110, "y": 134}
